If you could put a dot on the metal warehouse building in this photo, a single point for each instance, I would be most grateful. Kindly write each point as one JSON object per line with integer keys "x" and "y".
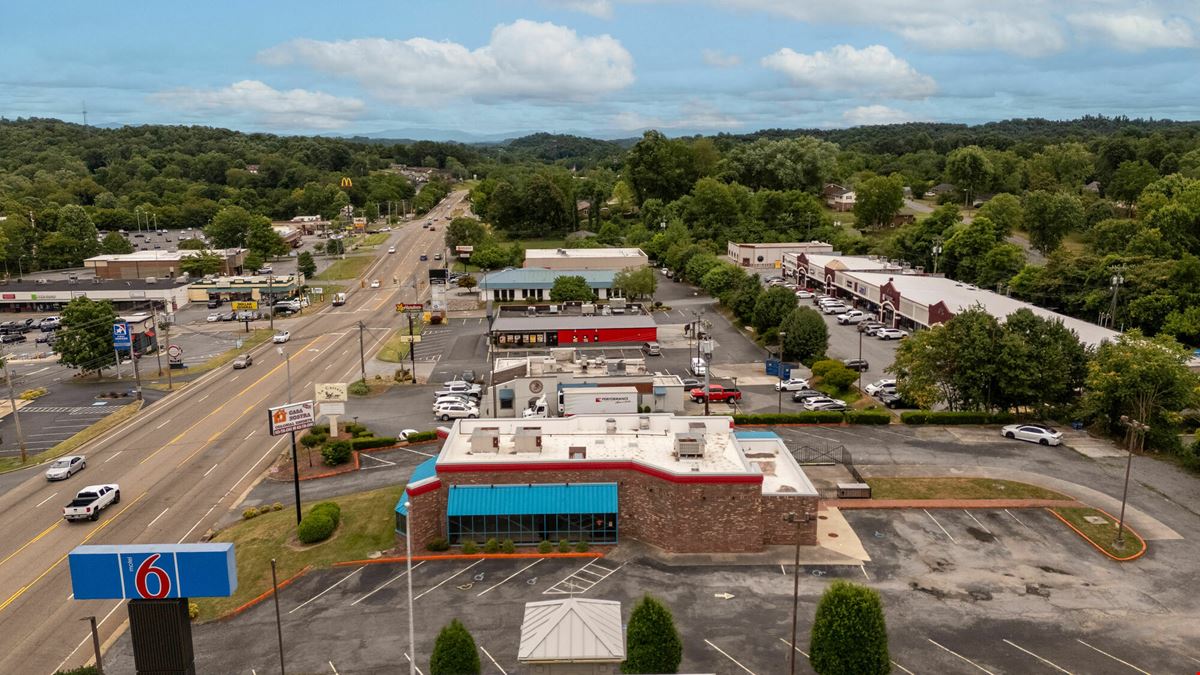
{"x": 683, "y": 484}
{"x": 552, "y": 331}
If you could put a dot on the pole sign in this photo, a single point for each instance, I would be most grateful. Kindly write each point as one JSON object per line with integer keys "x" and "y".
{"x": 153, "y": 571}
{"x": 121, "y": 336}
{"x": 175, "y": 355}
{"x": 243, "y": 305}
{"x": 330, "y": 392}
{"x": 291, "y": 417}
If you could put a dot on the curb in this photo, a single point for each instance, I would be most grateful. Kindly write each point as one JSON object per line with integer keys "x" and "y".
{"x": 1098, "y": 547}
{"x": 852, "y": 504}
{"x": 464, "y": 556}
{"x": 264, "y": 595}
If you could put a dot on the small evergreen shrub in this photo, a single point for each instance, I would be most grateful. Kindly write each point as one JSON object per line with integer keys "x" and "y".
{"x": 336, "y": 453}
{"x": 581, "y": 547}
{"x": 545, "y": 547}
{"x": 508, "y": 546}
{"x": 470, "y": 548}
{"x": 491, "y": 546}
{"x": 359, "y": 388}
{"x": 277, "y": 506}
{"x": 250, "y": 513}
{"x": 564, "y": 546}
{"x": 438, "y": 544}
{"x": 314, "y": 527}
{"x": 330, "y": 509}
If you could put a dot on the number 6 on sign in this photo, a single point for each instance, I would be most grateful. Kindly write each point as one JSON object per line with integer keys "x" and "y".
{"x": 146, "y": 570}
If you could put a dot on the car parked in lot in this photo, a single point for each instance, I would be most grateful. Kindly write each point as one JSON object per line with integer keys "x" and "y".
{"x": 48, "y": 338}
{"x": 824, "y": 403}
{"x": 454, "y": 398}
{"x": 851, "y": 317}
{"x": 242, "y": 361}
{"x": 716, "y": 394}
{"x": 869, "y": 326}
{"x": 878, "y": 386}
{"x": 793, "y": 384}
{"x": 804, "y": 294}
{"x": 281, "y": 336}
{"x": 1033, "y": 433}
{"x": 891, "y": 334}
{"x": 859, "y": 365}
{"x": 805, "y": 394}
{"x": 459, "y": 387}
{"x": 690, "y": 383}
{"x": 834, "y": 308}
{"x": 12, "y": 337}
{"x": 50, "y": 323}
{"x": 892, "y": 399}
{"x": 214, "y": 317}
{"x": 451, "y": 411}
{"x": 65, "y": 467}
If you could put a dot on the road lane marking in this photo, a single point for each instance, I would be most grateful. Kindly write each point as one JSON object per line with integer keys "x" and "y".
{"x": 202, "y": 398}
{"x": 250, "y": 434}
{"x": 443, "y": 581}
{"x": 235, "y": 377}
{"x": 735, "y": 661}
{"x": 46, "y": 499}
{"x": 505, "y": 580}
{"x": 335, "y": 585}
{"x": 384, "y": 584}
{"x": 493, "y": 660}
{"x": 211, "y": 470}
{"x": 31, "y": 541}
{"x": 164, "y": 512}
{"x": 954, "y": 653}
{"x": 113, "y": 456}
{"x": 935, "y": 520}
{"x": 1045, "y": 661}
{"x": 1111, "y": 656}
{"x": 162, "y": 425}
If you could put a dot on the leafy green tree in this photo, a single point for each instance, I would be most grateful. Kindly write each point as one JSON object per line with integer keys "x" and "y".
{"x": 1065, "y": 166}
{"x": 1049, "y": 217}
{"x": 849, "y": 633}
{"x": 969, "y": 169}
{"x": 78, "y": 235}
{"x": 335, "y": 247}
{"x": 720, "y": 279}
{"x": 772, "y": 307}
{"x": 192, "y": 244}
{"x": 115, "y": 244}
{"x": 306, "y": 265}
{"x": 839, "y": 377}
{"x": 229, "y": 227}
{"x": 699, "y": 265}
{"x": 878, "y": 200}
{"x": 467, "y": 282}
{"x": 1005, "y": 212}
{"x": 454, "y": 651}
{"x": 1039, "y": 363}
{"x": 635, "y": 284}
{"x": 660, "y": 168}
{"x": 203, "y": 264}
{"x": 263, "y": 239}
{"x": 806, "y": 335}
{"x": 1000, "y": 264}
{"x": 609, "y": 234}
{"x": 801, "y": 163}
{"x": 464, "y": 232}
{"x": 254, "y": 261}
{"x": 652, "y": 643}
{"x": 568, "y": 288}
{"x": 86, "y": 340}
{"x": 965, "y": 249}
{"x": 489, "y": 256}
{"x": 1184, "y": 325}
{"x": 1130, "y": 179}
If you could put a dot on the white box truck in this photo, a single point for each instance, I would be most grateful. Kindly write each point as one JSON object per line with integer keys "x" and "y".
{"x": 601, "y": 400}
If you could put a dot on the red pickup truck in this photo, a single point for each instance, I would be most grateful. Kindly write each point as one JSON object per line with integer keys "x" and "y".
{"x": 716, "y": 393}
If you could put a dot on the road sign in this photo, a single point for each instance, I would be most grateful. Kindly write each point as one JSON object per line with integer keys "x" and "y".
{"x": 121, "y": 335}
{"x": 410, "y": 338}
{"x": 291, "y": 417}
{"x": 174, "y": 355}
{"x": 333, "y": 409}
{"x": 318, "y": 290}
{"x": 331, "y": 391}
{"x": 153, "y": 571}
{"x": 243, "y": 305}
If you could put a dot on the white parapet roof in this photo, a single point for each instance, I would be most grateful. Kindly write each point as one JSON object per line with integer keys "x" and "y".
{"x": 536, "y": 253}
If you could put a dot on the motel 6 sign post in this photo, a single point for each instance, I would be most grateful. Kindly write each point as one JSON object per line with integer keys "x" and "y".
{"x": 153, "y": 571}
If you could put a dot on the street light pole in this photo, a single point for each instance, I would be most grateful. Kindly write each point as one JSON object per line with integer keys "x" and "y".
{"x": 779, "y": 373}
{"x": 1135, "y": 428}
{"x": 278, "y": 621}
{"x": 95, "y": 644}
{"x": 1117, "y": 280}
{"x": 937, "y": 250}
{"x": 412, "y": 642}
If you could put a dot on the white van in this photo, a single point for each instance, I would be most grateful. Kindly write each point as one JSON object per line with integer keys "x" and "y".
{"x": 698, "y": 367}
{"x": 339, "y": 299}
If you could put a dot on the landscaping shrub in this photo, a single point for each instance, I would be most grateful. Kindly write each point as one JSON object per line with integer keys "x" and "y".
{"x": 336, "y": 453}
{"x": 820, "y": 368}
{"x": 581, "y": 547}
{"x": 868, "y": 417}
{"x": 955, "y": 417}
{"x": 508, "y": 546}
{"x": 652, "y": 642}
{"x": 320, "y": 429}
{"x": 82, "y": 670}
{"x": 313, "y": 440}
{"x": 545, "y": 547}
{"x": 849, "y": 634}
{"x": 470, "y": 548}
{"x": 358, "y": 388}
{"x": 277, "y": 506}
{"x": 840, "y": 378}
{"x": 422, "y": 436}
{"x": 368, "y": 442}
{"x": 454, "y": 652}
{"x": 314, "y": 527}
{"x": 193, "y": 611}
{"x": 354, "y": 428}
{"x": 438, "y": 544}
{"x": 250, "y": 513}
{"x": 330, "y": 509}
{"x": 805, "y": 417}
{"x": 564, "y": 546}
{"x": 491, "y": 546}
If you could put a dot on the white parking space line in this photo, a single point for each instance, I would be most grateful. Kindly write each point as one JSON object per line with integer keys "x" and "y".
{"x": 113, "y": 456}
{"x": 1045, "y": 661}
{"x": 164, "y": 512}
{"x": 788, "y": 643}
{"x": 864, "y": 571}
{"x": 954, "y": 653}
{"x": 382, "y": 462}
{"x": 409, "y": 659}
{"x": 1017, "y": 519}
{"x": 824, "y": 438}
{"x": 981, "y": 525}
{"x": 511, "y": 576}
{"x": 46, "y": 499}
{"x": 1123, "y": 662}
{"x": 385, "y": 584}
{"x": 443, "y": 581}
{"x": 935, "y": 520}
{"x": 418, "y": 452}
{"x": 335, "y": 585}
{"x": 735, "y": 661}
{"x": 335, "y": 672}
{"x": 574, "y": 583}
{"x": 493, "y": 660}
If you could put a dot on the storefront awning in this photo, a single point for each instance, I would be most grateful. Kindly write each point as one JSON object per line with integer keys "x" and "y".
{"x": 514, "y": 500}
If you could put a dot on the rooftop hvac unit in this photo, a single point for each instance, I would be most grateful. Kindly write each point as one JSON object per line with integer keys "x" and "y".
{"x": 528, "y": 439}
{"x": 485, "y": 439}
{"x": 610, "y": 426}
{"x": 151, "y": 280}
{"x": 688, "y": 446}
{"x": 643, "y": 422}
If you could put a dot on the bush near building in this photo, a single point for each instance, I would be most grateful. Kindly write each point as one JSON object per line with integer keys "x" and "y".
{"x": 314, "y": 527}
{"x": 849, "y": 634}
{"x": 652, "y": 643}
{"x": 454, "y": 652}
{"x": 338, "y": 452}
{"x": 955, "y": 417}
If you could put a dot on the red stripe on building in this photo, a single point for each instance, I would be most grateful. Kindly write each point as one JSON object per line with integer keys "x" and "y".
{"x": 428, "y": 487}
{"x": 599, "y": 466}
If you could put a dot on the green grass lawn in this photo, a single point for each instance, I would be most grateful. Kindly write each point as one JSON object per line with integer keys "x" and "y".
{"x": 350, "y": 267}
{"x": 375, "y": 239}
{"x": 395, "y": 350}
{"x": 957, "y": 488}
{"x": 367, "y": 525}
{"x": 1101, "y": 534}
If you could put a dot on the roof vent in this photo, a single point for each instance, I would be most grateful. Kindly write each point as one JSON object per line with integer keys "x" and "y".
{"x": 643, "y": 422}
{"x": 151, "y": 280}
{"x": 528, "y": 439}
{"x": 610, "y": 426}
{"x": 577, "y": 452}
{"x": 485, "y": 439}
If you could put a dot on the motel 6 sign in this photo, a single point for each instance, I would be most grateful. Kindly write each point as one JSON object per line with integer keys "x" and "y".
{"x": 153, "y": 571}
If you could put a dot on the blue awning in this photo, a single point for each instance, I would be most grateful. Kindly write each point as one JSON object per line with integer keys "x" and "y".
{"x": 426, "y": 469}
{"x": 507, "y": 394}
{"x": 400, "y": 505}
{"x": 545, "y": 498}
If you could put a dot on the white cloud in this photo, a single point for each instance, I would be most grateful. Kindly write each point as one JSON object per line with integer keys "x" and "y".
{"x": 601, "y": 9}
{"x": 719, "y": 59}
{"x": 1136, "y": 32}
{"x": 290, "y": 109}
{"x": 694, "y": 116}
{"x": 523, "y": 60}
{"x": 865, "y": 115}
{"x": 870, "y": 71}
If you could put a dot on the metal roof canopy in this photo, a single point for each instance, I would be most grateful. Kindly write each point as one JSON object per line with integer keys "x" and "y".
{"x": 426, "y": 469}
{"x": 531, "y": 499}
{"x": 575, "y": 630}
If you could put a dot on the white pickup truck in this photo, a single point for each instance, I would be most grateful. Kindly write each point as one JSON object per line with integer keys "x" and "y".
{"x": 91, "y": 500}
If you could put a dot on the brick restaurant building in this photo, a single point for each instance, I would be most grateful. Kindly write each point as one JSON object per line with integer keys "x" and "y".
{"x": 682, "y": 484}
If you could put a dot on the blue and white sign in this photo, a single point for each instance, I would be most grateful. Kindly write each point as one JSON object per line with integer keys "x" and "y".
{"x": 121, "y": 335}
{"x": 153, "y": 571}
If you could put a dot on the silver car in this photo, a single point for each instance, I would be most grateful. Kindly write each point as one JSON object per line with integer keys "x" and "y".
{"x": 64, "y": 467}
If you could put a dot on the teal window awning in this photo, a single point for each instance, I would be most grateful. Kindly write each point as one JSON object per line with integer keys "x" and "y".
{"x": 507, "y": 394}
{"x": 545, "y": 498}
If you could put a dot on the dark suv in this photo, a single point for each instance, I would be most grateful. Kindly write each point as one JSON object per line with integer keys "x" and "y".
{"x": 12, "y": 337}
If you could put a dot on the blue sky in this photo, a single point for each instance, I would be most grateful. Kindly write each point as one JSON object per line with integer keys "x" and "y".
{"x": 602, "y": 67}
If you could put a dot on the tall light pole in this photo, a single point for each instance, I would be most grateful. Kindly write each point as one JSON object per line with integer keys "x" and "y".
{"x": 779, "y": 373}
{"x": 1117, "y": 280}
{"x": 1134, "y": 431}
{"x": 287, "y": 357}
{"x": 937, "y": 250}
{"x": 795, "y": 518}
{"x": 412, "y": 642}
{"x": 20, "y": 269}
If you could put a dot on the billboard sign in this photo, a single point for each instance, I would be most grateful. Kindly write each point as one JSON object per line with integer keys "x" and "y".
{"x": 175, "y": 355}
{"x": 331, "y": 409}
{"x": 291, "y": 417}
{"x": 331, "y": 391}
{"x": 464, "y": 251}
{"x": 153, "y": 571}
{"x": 121, "y": 336}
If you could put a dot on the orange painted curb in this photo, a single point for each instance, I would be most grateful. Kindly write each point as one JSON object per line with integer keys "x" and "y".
{"x": 1098, "y": 547}
{"x": 264, "y": 595}
{"x": 464, "y": 556}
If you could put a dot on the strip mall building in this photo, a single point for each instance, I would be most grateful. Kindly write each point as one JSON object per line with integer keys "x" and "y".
{"x": 682, "y": 484}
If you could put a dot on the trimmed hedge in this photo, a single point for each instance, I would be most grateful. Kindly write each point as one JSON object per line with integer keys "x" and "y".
{"x": 314, "y": 527}
{"x": 330, "y": 509}
{"x": 806, "y": 417}
{"x": 422, "y": 436}
{"x": 369, "y": 442}
{"x": 868, "y": 417}
{"x": 955, "y": 417}
{"x": 338, "y": 452}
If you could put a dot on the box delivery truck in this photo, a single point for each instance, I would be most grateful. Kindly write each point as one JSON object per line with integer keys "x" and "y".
{"x": 601, "y": 400}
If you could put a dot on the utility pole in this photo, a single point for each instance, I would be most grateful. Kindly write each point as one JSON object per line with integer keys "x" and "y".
{"x": 412, "y": 348}
{"x": 270, "y": 301}
{"x": 157, "y": 351}
{"x": 1117, "y": 280}
{"x": 167, "y": 332}
{"x": 795, "y": 518}
{"x": 1134, "y": 429}
{"x": 362, "y": 355}
{"x": 779, "y": 373}
{"x": 278, "y": 621}
{"x": 12, "y": 403}
{"x": 137, "y": 376}
{"x": 95, "y": 644}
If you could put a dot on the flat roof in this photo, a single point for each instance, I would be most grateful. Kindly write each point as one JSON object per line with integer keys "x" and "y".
{"x": 160, "y": 256}
{"x": 584, "y": 253}
{"x": 794, "y": 244}
{"x": 959, "y": 297}
{"x": 534, "y": 277}
{"x": 724, "y": 452}
{"x": 89, "y": 284}
{"x": 850, "y": 262}
{"x": 520, "y": 323}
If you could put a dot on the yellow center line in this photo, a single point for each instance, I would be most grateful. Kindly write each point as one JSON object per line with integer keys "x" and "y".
{"x": 31, "y": 541}
{"x": 58, "y": 562}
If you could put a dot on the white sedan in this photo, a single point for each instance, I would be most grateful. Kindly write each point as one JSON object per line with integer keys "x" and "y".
{"x": 374, "y": 283}
{"x": 880, "y": 385}
{"x": 215, "y": 316}
{"x": 891, "y": 334}
{"x": 281, "y": 337}
{"x": 1034, "y": 433}
{"x": 803, "y": 294}
{"x": 794, "y": 384}
{"x": 824, "y": 403}
{"x": 391, "y": 249}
